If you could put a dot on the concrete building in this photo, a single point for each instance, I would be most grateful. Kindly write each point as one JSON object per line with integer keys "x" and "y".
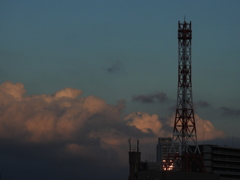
{"x": 222, "y": 160}
{"x": 163, "y": 147}
{"x": 134, "y": 160}
{"x": 134, "y": 163}
{"x": 139, "y": 170}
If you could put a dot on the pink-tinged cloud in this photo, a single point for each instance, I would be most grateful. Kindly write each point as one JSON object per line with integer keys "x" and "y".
{"x": 206, "y": 130}
{"x": 45, "y": 118}
{"x": 68, "y": 93}
{"x": 146, "y": 123}
{"x": 9, "y": 89}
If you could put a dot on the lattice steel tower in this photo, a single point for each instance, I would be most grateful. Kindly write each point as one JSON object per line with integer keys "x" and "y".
{"x": 187, "y": 157}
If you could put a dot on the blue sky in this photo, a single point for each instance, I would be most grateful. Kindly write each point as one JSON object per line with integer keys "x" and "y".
{"x": 119, "y": 49}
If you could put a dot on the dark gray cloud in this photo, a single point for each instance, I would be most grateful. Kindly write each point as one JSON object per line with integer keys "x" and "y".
{"x": 202, "y": 104}
{"x": 117, "y": 66}
{"x": 49, "y": 161}
{"x": 230, "y": 111}
{"x": 151, "y": 98}
{"x": 172, "y": 108}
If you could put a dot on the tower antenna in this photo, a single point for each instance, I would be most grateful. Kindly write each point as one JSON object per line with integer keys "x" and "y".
{"x": 184, "y": 131}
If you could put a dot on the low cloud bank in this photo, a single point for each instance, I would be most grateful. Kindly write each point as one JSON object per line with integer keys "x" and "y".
{"x": 66, "y": 125}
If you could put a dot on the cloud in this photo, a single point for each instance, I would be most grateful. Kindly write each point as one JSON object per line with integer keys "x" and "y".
{"x": 206, "y": 129}
{"x": 202, "y": 104}
{"x": 65, "y": 124}
{"x": 12, "y": 90}
{"x": 117, "y": 66}
{"x": 68, "y": 93}
{"x": 65, "y": 116}
{"x": 67, "y": 130}
{"x": 230, "y": 111}
{"x": 145, "y": 122}
{"x": 151, "y": 98}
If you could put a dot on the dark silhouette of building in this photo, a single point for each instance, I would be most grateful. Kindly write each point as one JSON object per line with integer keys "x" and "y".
{"x": 134, "y": 160}
{"x": 222, "y": 160}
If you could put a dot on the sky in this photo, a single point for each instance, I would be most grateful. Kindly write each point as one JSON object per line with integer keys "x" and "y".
{"x": 78, "y": 78}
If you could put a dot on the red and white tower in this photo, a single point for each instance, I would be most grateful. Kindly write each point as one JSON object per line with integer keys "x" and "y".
{"x": 187, "y": 157}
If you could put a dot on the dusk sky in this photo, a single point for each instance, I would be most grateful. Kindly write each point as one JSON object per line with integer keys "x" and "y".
{"x": 80, "y": 77}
